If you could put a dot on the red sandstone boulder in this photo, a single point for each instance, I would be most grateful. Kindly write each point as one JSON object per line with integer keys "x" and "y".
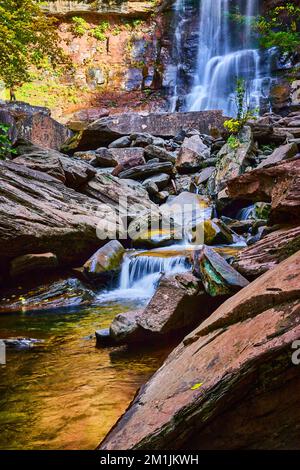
{"x": 268, "y": 252}
{"x": 38, "y": 214}
{"x": 278, "y": 184}
{"x": 34, "y": 124}
{"x": 178, "y": 305}
{"x": 231, "y": 383}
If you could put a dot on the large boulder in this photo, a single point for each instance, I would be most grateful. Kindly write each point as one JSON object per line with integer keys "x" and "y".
{"x": 153, "y": 151}
{"x": 105, "y": 264}
{"x": 34, "y": 124}
{"x": 192, "y": 152}
{"x": 141, "y": 172}
{"x": 173, "y": 309}
{"x": 281, "y": 153}
{"x": 74, "y": 172}
{"x": 231, "y": 384}
{"x": 278, "y": 184}
{"x": 124, "y": 198}
{"x": 217, "y": 276}
{"x": 38, "y": 214}
{"x": 106, "y": 130}
{"x": 32, "y": 263}
{"x": 46, "y": 161}
{"x": 233, "y": 160}
{"x": 62, "y": 293}
{"x": 268, "y": 252}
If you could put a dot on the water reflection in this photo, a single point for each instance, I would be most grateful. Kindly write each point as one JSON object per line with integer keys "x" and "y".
{"x": 64, "y": 393}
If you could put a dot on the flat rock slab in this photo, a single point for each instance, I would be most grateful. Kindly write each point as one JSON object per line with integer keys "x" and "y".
{"x": 268, "y": 252}
{"x": 141, "y": 172}
{"x": 34, "y": 124}
{"x": 106, "y": 130}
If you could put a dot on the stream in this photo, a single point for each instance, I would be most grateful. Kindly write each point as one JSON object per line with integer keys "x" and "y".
{"x": 64, "y": 393}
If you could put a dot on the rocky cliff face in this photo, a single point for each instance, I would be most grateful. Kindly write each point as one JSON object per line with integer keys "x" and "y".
{"x": 124, "y": 58}
{"x": 134, "y": 8}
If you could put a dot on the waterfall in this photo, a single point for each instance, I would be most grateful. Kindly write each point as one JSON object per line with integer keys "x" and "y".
{"x": 175, "y": 71}
{"x": 246, "y": 213}
{"x": 226, "y": 50}
{"x": 140, "y": 274}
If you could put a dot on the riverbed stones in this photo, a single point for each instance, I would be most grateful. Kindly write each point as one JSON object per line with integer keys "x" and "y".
{"x": 281, "y": 153}
{"x": 161, "y": 180}
{"x": 212, "y": 232}
{"x": 204, "y": 175}
{"x": 217, "y": 276}
{"x": 192, "y": 152}
{"x": 145, "y": 139}
{"x": 173, "y": 310}
{"x": 64, "y": 293}
{"x": 34, "y": 124}
{"x": 39, "y": 213}
{"x": 123, "y": 197}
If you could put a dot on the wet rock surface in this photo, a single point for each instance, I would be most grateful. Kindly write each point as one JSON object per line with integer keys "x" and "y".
{"x": 225, "y": 364}
{"x": 173, "y": 309}
{"x": 278, "y": 184}
{"x": 62, "y": 294}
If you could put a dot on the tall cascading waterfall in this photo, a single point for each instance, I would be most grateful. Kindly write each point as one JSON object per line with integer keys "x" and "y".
{"x": 226, "y": 50}
{"x": 175, "y": 70}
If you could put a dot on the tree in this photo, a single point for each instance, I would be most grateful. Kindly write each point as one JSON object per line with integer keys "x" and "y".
{"x": 280, "y": 27}
{"x": 28, "y": 38}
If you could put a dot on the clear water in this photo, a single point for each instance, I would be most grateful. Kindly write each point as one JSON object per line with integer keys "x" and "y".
{"x": 65, "y": 393}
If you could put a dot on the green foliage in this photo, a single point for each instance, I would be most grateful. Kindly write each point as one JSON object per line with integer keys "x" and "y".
{"x": 233, "y": 142}
{"x": 79, "y": 26}
{"x": 99, "y": 32}
{"x": 27, "y": 38}
{"x": 280, "y": 27}
{"x": 5, "y": 143}
{"x": 244, "y": 113}
{"x": 233, "y": 126}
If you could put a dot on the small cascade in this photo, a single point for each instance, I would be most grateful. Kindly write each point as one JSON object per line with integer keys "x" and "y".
{"x": 140, "y": 274}
{"x": 246, "y": 213}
